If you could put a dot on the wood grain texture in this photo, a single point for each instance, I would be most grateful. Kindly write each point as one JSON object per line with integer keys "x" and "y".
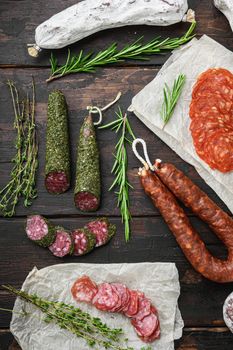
{"x": 20, "y": 18}
{"x": 200, "y": 300}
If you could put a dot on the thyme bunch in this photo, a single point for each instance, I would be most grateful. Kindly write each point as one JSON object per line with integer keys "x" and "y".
{"x": 78, "y": 322}
{"x": 136, "y": 51}
{"x": 121, "y": 125}
{"x": 23, "y": 174}
{"x": 171, "y": 96}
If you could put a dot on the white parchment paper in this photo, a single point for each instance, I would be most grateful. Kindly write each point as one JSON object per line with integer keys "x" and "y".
{"x": 159, "y": 282}
{"x": 191, "y": 60}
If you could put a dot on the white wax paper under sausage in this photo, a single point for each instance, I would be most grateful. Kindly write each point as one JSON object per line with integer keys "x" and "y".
{"x": 191, "y": 60}
{"x": 159, "y": 282}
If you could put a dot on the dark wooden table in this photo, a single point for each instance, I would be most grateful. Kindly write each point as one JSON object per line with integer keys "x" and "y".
{"x": 200, "y": 300}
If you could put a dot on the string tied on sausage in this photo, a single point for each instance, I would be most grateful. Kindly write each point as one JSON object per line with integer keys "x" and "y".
{"x": 95, "y": 109}
{"x": 146, "y": 162}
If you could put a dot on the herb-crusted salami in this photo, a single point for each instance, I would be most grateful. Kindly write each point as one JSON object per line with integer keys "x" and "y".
{"x": 57, "y": 162}
{"x": 102, "y": 229}
{"x": 63, "y": 244}
{"x": 84, "y": 241}
{"x": 40, "y": 230}
{"x": 87, "y": 187}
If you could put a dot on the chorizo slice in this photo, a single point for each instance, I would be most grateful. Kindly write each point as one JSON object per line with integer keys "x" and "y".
{"x": 84, "y": 289}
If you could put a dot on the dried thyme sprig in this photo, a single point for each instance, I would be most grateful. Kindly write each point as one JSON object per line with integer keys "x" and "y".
{"x": 171, "y": 97}
{"x": 135, "y": 51}
{"x": 22, "y": 177}
{"x": 120, "y": 166}
{"x": 78, "y": 322}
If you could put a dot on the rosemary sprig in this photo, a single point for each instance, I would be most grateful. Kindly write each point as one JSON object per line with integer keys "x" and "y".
{"x": 78, "y": 322}
{"x": 171, "y": 97}
{"x": 136, "y": 51}
{"x": 22, "y": 177}
{"x": 119, "y": 169}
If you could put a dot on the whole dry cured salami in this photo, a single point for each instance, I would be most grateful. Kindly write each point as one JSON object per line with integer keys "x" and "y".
{"x": 102, "y": 229}
{"x": 211, "y": 113}
{"x": 40, "y": 230}
{"x": 87, "y": 187}
{"x": 116, "y": 297}
{"x": 57, "y": 160}
{"x": 84, "y": 241}
{"x": 63, "y": 244}
{"x": 84, "y": 289}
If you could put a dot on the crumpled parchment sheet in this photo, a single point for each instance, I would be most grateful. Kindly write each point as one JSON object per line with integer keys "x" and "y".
{"x": 191, "y": 60}
{"x": 159, "y": 282}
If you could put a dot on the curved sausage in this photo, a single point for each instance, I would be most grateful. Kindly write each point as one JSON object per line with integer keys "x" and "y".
{"x": 187, "y": 237}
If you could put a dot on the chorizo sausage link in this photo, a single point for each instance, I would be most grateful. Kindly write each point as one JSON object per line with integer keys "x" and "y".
{"x": 193, "y": 247}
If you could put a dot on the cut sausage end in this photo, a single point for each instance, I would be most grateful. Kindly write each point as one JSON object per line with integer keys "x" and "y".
{"x": 39, "y": 230}
{"x": 86, "y": 201}
{"x": 57, "y": 182}
{"x": 63, "y": 244}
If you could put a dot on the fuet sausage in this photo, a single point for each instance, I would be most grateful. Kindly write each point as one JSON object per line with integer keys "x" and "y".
{"x": 162, "y": 186}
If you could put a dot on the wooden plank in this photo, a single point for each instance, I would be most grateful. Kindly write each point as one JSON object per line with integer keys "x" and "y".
{"x": 80, "y": 91}
{"x": 20, "y": 18}
{"x": 151, "y": 241}
{"x": 202, "y": 339}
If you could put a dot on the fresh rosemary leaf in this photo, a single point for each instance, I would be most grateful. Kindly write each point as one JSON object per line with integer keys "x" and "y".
{"x": 121, "y": 125}
{"x": 170, "y": 98}
{"x": 135, "y": 51}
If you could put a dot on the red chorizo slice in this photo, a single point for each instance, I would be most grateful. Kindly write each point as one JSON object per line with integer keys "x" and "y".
{"x": 211, "y": 104}
{"x": 84, "y": 289}
{"x": 106, "y": 298}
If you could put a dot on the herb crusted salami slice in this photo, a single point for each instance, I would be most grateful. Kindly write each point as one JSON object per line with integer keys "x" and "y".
{"x": 63, "y": 244}
{"x": 102, "y": 229}
{"x": 84, "y": 241}
{"x": 87, "y": 187}
{"x": 40, "y": 230}
{"x": 57, "y": 162}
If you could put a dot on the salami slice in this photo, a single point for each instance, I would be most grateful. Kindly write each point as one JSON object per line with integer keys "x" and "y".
{"x": 84, "y": 241}
{"x": 153, "y": 336}
{"x": 144, "y": 308}
{"x": 40, "y": 230}
{"x": 132, "y": 308}
{"x": 84, "y": 289}
{"x": 211, "y": 113}
{"x": 106, "y": 298}
{"x": 146, "y": 327}
{"x": 63, "y": 244}
{"x": 57, "y": 160}
{"x": 102, "y": 229}
{"x": 123, "y": 294}
{"x": 87, "y": 186}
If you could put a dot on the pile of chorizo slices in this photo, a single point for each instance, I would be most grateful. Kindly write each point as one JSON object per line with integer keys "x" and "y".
{"x": 116, "y": 297}
{"x": 211, "y": 113}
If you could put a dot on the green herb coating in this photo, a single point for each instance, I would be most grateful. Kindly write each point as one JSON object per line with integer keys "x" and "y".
{"x": 60, "y": 228}
{"x": 88, "y": 167}
{"x": 90, "y": 239}
{"x": 57, "y": 137}
{"x": 49, "y": 239}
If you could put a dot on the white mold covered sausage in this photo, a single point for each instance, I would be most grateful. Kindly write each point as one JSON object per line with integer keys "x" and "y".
{"x": 90, "y": 16}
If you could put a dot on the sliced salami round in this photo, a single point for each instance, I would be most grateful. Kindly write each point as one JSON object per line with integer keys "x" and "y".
{"x": 63, "y": 244}
{"x": 146, "y": 327}
{"x": 40, "y": 230}
{"x": 144, "y": 308}
{"x": 102, "y": 229}
{"x": 57, "y": 182}
{"x": 132, "y": 308}
{"x": 123, "y": 294}
{"x": 106, "y": 298}
{"x": 84, "y": 241}
{"x": 84, "y": 289}
{"x": 153, "y": 336}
